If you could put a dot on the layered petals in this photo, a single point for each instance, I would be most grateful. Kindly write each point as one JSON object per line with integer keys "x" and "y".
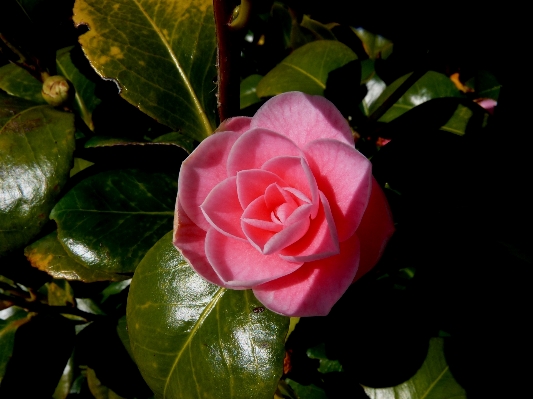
{"x": 314, "y": 288}
{"x": 303, "y": 118}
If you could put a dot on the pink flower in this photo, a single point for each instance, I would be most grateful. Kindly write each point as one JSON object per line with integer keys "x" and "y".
{"x": 282, "y": 203}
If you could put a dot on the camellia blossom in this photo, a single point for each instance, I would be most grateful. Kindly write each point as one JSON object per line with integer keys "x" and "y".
{"x": 282, "y": 203}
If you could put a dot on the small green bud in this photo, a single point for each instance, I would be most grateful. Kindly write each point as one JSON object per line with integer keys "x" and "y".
{"x": 56, "y": 90}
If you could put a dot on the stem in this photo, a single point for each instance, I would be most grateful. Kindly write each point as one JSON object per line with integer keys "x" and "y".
{"x": 228, "y": 55}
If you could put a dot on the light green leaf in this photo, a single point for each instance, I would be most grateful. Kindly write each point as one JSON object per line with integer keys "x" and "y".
{"x": 248, "y": 95}
{"x": 306, "y": 69}
{"x": 18, "y": 82}
{"x": 432, "y": 381}
{"x": 431, "y": 85}
{"x": 162, "y": 55}
{"x": 85, "y": 100}
{"x": 65, "y": 382}
{"x": 48, "y": 255}
{"x": 36, "y": 147}
{"x": 458, "y": 123}
{"x": 108, "y": 221}
{"x": 193, "y": 339}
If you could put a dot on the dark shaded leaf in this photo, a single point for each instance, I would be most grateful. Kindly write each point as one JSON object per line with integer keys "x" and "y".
{"x": 48, "y": 255}
{"x": 8, "y": 327}
{"x": 306, "y": 69}
{"x": 18, "y": 82}
{"x": 191, "y": 338}
{"x": 248, "y": 91}
{"x": 36, "y": 146}
{"x": 162, "y": 56}
{"x": 108, "y": 221}
{"x": 375, "y": 46}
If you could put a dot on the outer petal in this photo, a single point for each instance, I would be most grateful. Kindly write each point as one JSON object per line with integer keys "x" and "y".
{"x": 257, "y": 146}
{"x": 314, "y": 288}
{"x": 320, "y": 240}
{"x": 375, "y": 230}
{"x": 239, "y": 264}
{"x": 202, "y": 171}
{"x": 189, "y": 239}
{"x": 223, "y": 210}
{"x": 239, "y": 124}
{"x": 303, "y": 118}
{"x": 344, "y": 175}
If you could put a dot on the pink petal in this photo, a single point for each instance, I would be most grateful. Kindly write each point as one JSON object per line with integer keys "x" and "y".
{"x": 223, "y": 210}
{"x": 238, "y": 124}
{"x": 303, "y": 118}
{"x": 320, "y": 241}
{"x": 257, "y": 146}
{"x": 375, "y": 229}
{"x": 239, "y": 264}
{"x": 314, "y": 288}
{"x": 253, "y": 183}
{"x": 202, "y": 171}
{"x": 344, "y": 176}
{"x": 189, "y": 239}
{"x": 289, "y": 235}
{"x": 296, "y": 173}
{"x": 275, "y": 196}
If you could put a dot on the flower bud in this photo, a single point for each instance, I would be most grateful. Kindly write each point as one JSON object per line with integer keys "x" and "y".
{"x": 55, "y": 90}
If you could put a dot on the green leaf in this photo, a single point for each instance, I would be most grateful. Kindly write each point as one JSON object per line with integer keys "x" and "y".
{"x": 18, "y": 82}
{"x": 459, "y": 121}
{"x": 79, "y": 165}
{"x": 310, "y": 391}
{"x": 431, "y": 85}
{"x": 48, "y": 255}
{"x": 99, "y": 390}
{"x": 191, "y": 338}
{"x": 176, "y": 139}
{"x": 108, "y": 221}
{"x": 375, "y": 46}
{"x": 248, "y": 95}
{"x": 306, "y": 69}
{"x": 122, "y": 331}
{"x": 36, "y": 146}
{"x": 60, "y": 293}
{"x": 65, "y": 382}
{"x": 85, "y": 100}
{"x": 161, "y": 54}
{"x": 8, "y": 327}
{"x": 326, "y": 365}
{"x": 486, "y": 85}
{"x": 173, "y": 138}
{"x": 432, "y": 381}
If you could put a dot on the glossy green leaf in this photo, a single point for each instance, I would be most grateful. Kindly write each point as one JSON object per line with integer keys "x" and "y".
{"x": 431, "y": 85}
{"x": 8, "y": 327}
{"x": 375, "y": 87}
{"x": 193, "y": 339}
{"x": 48, "y": 255}
{"x": 375, "y": 46}
{"x": 108, "y": 221}
{"x": 459, "y": 121}
{"x": 161, "y": 54}
{"x": 65, "y": 382}
{"x": 85, "y": 100}
{"x": 18, "y": 82}
{"x": 432, "y": 381}
{"x": 306, "y": 69}
{"x": 36, "y": 147}
{"x": 248, "y": 94}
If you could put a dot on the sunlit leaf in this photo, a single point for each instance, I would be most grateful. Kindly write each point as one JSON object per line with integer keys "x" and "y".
{"x": 48, "y": 255}
{"x": 431, "y": 85}
{"x": 85, "y": 100}
{"x": 8, "y": 327}
{"x": 161, "y": 54}
{"x": 432, "y": 381}
{"x": 65, "y": 382}
{"x": 306, "y": 69}
{"x": 194, "y": 339}
{"x": 36, "y": 146}
{"x": 108, "y": 221}
{"x": 248, "y": 95}
{"x": 18, "y": 82}
{"x": 375, "y": 46}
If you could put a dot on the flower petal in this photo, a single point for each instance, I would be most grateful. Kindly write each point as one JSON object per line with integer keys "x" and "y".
{"x": 202, "y": 171}
{"x": 344, "y": 175}
{"x": 303, "y": 118}
{"x": 253, "y": 183}
{"x": 237, "y": 263}
{"x": 320, "y": 240}
{"x": 189, "y": 239}
{"x": 223, "y": 210}
{"x": 296, "y": 173}
{"x": 257, "y": 146}
{"x": 375, "y": 229}
{"x": 239, "y": 124}
{"x": 314, "y": 288}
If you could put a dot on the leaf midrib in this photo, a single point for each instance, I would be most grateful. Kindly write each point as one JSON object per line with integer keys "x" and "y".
{"x": 201, "y": 112}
